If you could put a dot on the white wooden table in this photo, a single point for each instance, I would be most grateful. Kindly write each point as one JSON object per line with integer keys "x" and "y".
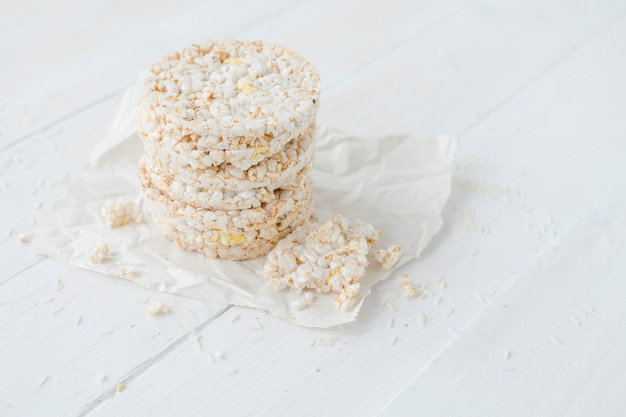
{"x": 531, "y": 319}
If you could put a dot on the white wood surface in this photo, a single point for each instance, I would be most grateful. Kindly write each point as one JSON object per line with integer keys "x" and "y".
{"x": 534, "y": 232}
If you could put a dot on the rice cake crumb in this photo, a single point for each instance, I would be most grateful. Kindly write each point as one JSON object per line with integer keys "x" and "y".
{"x": 157, "y": 308}
{"x": 100, "y": 253}
{"x": 388, "y": 258}
{"x": 118, "y": 213}
{"x": 128, "y": 273}
{"x": 327, "y": 257}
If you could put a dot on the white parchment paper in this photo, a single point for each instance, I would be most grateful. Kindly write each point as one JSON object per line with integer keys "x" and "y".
{"x": 398, "y": 183}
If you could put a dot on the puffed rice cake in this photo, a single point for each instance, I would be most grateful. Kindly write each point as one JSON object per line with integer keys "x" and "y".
{"x": 228, "y": 130}
{"x": 236, "y": 244}
{"x": 218, "y": 198}
{"x": 282, "y": 211}
{"x": 271, "y": 171}
{"x": 252, "y": 97}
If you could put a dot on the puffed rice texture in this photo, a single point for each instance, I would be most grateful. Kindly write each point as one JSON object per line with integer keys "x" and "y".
{"x": 327, "y": 257}
{"x": 230, "y": 95}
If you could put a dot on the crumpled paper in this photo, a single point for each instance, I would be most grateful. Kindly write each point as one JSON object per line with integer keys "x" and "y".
{"x": 398, "y": 183}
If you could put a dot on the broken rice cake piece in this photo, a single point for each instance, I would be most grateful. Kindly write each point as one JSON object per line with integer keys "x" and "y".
{"x": 388, "y": 258}
{"x": 100, "y": 253}
{"x": 118, "y": 213}
{"x": 327, "y": 257}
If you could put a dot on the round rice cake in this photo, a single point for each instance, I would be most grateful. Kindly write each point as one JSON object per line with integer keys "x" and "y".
{"x": 204, "y": 242}
{"x": 215, "y": 245}
{"x": 230, "y": 95}
{"x": 272, "y": 171}
{"x": 216, "y": 199}
{"x": 188, "y": 153}
{"x": 249, "y": 222}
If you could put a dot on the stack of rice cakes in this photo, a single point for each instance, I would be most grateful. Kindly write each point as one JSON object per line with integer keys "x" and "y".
{"x": 227, "y": 129}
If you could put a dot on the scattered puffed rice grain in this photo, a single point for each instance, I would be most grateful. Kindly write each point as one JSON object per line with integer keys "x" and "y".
{"x": 556, "y": 340}
{"x": 45, "y": 300}
{"x": 442, "y": 284}
{"x": 123, "y": 272}
{"x": 234, "y": 318}
{"x": 574, "y": 320}
{"x": 157, "y": 308}
{"x": 255, "y": 339}
{"x": 508, "y": 369}
{"x": 479, "y": 298}
{"x": 453, "y": 332}
{"x": 421, "y": 319}
{"x": 57, "y": 284}
{"x": 437, "y": 301}
{"x": 393, "y": 341}
{"x": 448, "y": 313}
{"x": 22, "y": 239}
{"x": 56, "y": 310}
{"x": 77, "y": 320}
{"x": 407, "y": 289}
{"x": 507, "y": 354}
{"x": 120, "y": 387}
{"x": 255, "y": 326}
{"x": 325, "y": 341}
{"x": 390, "y": 323}
{"x": 42, "y": 380}
{"x": 106, "y": 332}
{"x": 140, "y": 299}
{"x": 231, "y": 372}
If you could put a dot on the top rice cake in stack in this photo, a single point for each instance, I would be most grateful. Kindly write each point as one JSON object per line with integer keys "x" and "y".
{"x": 227, "y": 129}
